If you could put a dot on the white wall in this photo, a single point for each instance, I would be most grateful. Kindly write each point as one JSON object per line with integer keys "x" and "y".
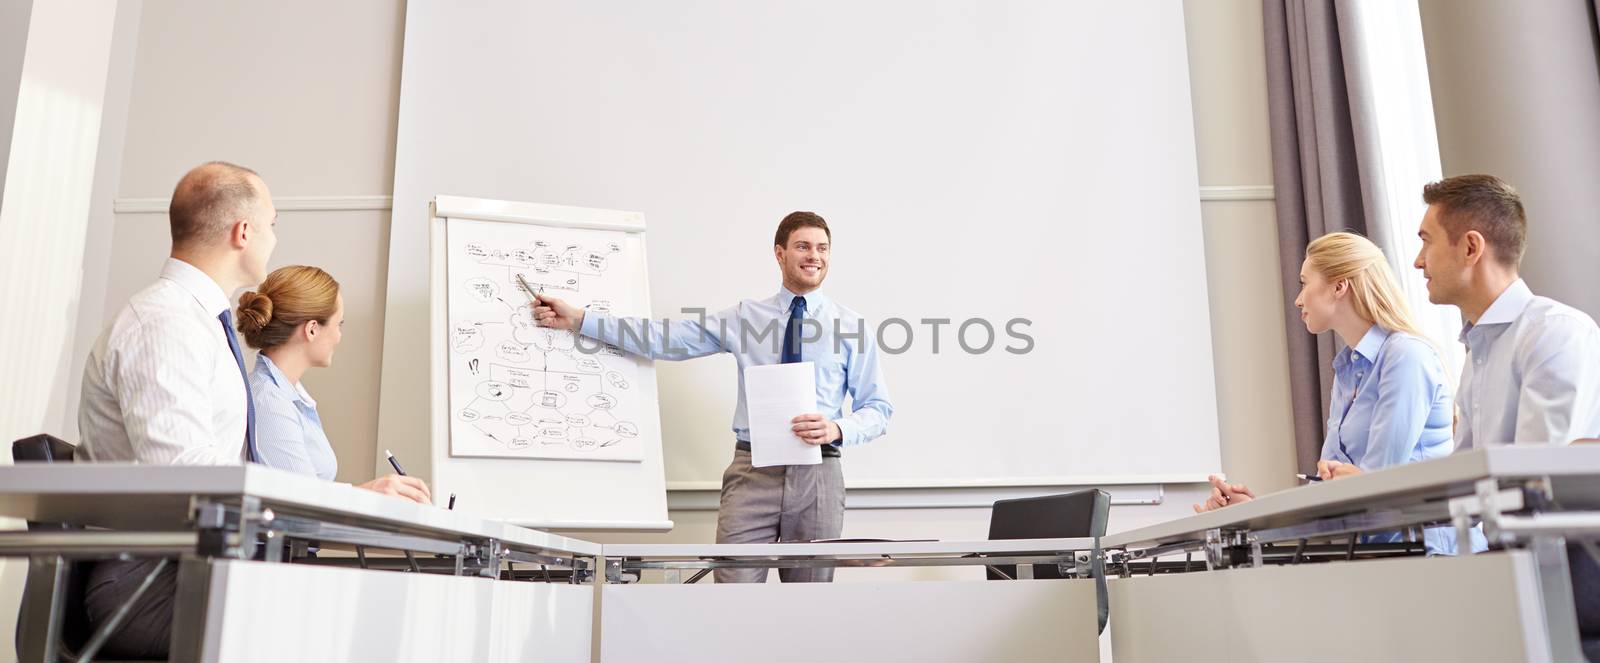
{"x": 1228, "y": 78}
{"x": 44, "y": 218}
{"x": 1516, "y": 93}
{"x": 97, "y": 248}
{"x": 308, "y": 96}
{"x": 13, "y": 39}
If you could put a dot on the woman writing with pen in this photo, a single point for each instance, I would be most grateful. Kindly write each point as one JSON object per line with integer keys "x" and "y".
{"x": 294, "y": 318}
{"x": 1391, "y": 400}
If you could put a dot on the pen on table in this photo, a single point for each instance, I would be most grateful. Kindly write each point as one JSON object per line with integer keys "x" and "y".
{"x": 1309, "y": 477}
{"x": 452, "y": 506}
{"x": 394, "y": 463}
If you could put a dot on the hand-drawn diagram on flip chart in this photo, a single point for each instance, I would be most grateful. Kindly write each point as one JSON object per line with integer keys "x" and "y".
{"x": 524, "y": 391}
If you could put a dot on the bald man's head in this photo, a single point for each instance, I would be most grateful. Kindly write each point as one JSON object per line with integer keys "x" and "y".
{"x": 208, "y": 200}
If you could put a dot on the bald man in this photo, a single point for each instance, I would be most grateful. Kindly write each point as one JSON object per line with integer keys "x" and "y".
{"x": 162, "y": 384}
{"x": 165, "y": 384}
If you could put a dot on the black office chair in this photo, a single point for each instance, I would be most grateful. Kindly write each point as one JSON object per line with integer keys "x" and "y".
{"x": 1585, "y": 570}
{"x": 1080, "y": 514}
{"x": 42, "y": 448}
{"x": 37, "y": 598}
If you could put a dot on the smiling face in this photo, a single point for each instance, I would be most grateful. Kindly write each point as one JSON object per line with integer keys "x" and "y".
{"x": 1318, "y": 300}
{"x": 804, "y": 259}
{"x": 1444, "y": 263}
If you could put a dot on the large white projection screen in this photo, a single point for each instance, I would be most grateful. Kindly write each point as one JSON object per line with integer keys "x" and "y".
{"x": 976, "y": 161}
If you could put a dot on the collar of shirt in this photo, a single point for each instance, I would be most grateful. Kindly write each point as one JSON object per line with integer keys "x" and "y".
{"x": 1366, "y": 349}
{"x": 198, "y": 284}
{"x": 1505, "y": 308}
{"x": 1371, "y": 342}
{"x": 814, "y": 300}
{"x": 294, "y": 392}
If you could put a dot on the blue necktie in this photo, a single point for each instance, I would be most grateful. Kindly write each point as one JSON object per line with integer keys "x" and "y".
{"x": 791, "y": 332}
{"x": 226, "y": 318}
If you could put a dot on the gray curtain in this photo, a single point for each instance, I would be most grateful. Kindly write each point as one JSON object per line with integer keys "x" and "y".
{"x": 1316, "y": 183}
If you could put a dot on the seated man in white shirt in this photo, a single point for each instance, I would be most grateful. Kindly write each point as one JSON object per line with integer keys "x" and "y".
{"x": 1533, "y": 364}
{"x": 165, "y": 383}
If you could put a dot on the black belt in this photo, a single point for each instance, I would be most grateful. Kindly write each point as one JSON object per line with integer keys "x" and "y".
{"x": 828, "y": 450}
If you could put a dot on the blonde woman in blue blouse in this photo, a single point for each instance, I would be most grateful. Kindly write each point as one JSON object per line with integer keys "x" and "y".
{"x": 1392, "y": 401}
{"x": 295, "y": 320}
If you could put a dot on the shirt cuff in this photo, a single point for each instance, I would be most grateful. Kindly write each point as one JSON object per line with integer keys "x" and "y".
{"x": 591, "y": 326}
{"x": 847, "y": 431}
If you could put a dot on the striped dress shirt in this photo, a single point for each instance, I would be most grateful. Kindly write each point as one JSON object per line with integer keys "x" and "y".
{"x": 161, "y": 385}
{"x": 1532, "y": 374}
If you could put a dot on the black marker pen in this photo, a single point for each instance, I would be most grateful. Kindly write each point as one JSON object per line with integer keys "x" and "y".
{"x": 394, "y": 463}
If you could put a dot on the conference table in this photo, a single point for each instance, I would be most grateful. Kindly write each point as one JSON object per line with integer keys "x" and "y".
{"x": 1278, "y": 578}
{"x": 1261, "y": 600}
{"x": 237, "y": 600}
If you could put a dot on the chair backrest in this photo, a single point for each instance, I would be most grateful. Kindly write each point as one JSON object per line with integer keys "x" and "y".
{"x": 1071, "y": 515}
{"x": 75, "y": 629}
{"x": 1080, "y": 514}
{"x": 42, "y": 448}
{"x": 1584, "y": 570}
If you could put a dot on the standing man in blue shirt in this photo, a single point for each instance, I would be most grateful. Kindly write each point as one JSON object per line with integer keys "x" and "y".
{"x": 784, "y": 503}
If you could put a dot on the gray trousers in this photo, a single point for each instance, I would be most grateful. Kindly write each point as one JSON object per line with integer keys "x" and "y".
{"x": 147, "y": 631}
{"x": 784, "y": 503}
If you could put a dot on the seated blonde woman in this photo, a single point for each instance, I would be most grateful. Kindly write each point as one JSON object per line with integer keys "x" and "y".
{"x": 294, "y": 319}
{"x": 1391, "y": 400}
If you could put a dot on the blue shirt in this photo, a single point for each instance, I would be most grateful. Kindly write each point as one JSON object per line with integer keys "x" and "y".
{"x": 1391, "y": 404}
{"x": 836, "y": 339}
{"x": 288, "y": 431}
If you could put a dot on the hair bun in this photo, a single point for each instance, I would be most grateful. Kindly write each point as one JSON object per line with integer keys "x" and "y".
{"x": 255, "y": 311}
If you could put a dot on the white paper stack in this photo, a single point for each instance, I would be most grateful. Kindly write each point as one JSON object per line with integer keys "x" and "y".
{"x": 773, "y": 396}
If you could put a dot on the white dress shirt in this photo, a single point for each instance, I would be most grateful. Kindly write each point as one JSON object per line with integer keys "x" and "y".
{"x": 161, "y": 385}
{"x": 1532, "y": 374}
